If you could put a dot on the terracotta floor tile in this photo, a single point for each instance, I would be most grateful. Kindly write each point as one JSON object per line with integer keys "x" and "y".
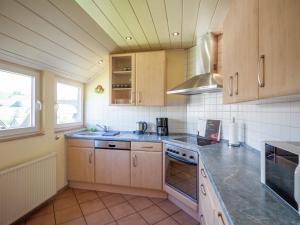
{"x": 113, "y": 200}
{"x": 99, "y": 218}
{"x": 129, "y": 197}
{"x": 112, "y": 223}
{"x": 121, "y": 210}
{"x": 42, "y": 220}
{"x": 47, "y": 209}
{"x": 183, "y": 218}
{"x": 103, "y": 193}
{"x": 140, "y": 203}
{"x": 153, "y": 214}
{"x": 91, "y": 206}
{"x": 79, "y": 191}
{"x": 134, "y": 219}
{"x": 168, "y": 221}
{"x": 86, "y": 196}
{"x": 68, "y": 214}
{"x": 157, "y": 200}
{"x": 168, "y": 207}
{"x": 64, "y": 194}
{"x": 64, "y": 203}
{"x": 79, "y": 221}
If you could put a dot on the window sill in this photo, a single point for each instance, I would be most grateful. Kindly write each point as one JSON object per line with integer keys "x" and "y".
{"x": 21, "y": 136}
{"x": 66, "y": 129}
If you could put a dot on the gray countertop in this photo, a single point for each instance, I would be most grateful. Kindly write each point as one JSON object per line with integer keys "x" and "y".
{"x": 235, "y": 175}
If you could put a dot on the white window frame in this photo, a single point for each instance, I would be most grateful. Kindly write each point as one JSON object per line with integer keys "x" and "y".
{"x": 36, "y": 103}
{"x": 64, "y": 126}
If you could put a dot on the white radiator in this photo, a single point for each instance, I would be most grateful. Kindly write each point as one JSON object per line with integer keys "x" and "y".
{"x": 24, "y": 187}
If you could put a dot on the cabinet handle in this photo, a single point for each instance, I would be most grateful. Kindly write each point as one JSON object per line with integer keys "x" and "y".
{"x": 203, "y": 173}
{"x": 261, "y": 72}
{"x": 149, "y": 147}
{"x": 220, "y": 219}
{"x": 133, "y": 97}
{"x": 90, "y": 157}
{"x": 237, "y": 83}
{"x": 203, "y": 189}
{"x": 230, "y": 85}
{"x": 202, "y": 220}
{"x": 139, "y": 99}
{"x": 134, "y": 161}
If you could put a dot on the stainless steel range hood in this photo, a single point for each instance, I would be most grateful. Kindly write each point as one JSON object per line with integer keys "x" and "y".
{"x": 205, "y": 78}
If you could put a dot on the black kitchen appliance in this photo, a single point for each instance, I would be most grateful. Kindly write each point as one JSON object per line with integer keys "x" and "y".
{"x": 162, "y": 126}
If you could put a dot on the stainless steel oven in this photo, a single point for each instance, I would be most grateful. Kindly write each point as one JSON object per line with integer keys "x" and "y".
{"x": 181, "y": 171}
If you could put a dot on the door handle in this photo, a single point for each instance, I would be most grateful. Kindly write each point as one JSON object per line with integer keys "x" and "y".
{"x": 230, "y": 86}
{"x": 261, "y": 71}
{"x": 236, "y": 75}
{"x": 203, "y": 189}
{"x": 203, "y": 173}
{"x": 202, "y": 220}
{"x": 220, "y": 219}
{"x": 134, "y": 161}
{"x": 139, "y": 98}
{"x": 90, "y": 157}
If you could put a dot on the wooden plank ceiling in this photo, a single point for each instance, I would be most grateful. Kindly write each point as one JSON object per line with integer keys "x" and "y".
{"x": 71, "y": 37}
{"x": 150, "y": 24}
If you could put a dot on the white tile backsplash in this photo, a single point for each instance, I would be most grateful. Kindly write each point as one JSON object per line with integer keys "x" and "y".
{"x": 268, "y": 121}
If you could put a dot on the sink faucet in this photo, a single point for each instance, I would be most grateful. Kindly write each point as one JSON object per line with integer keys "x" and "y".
{"x": 103, "y": 127}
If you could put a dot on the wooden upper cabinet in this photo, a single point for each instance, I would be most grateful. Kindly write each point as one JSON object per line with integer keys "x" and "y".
{"x": 240, "y": 41}
{"x": 150, "y": 78}
{"x": 279, "y": 35}
{"x": 80, "y": 164}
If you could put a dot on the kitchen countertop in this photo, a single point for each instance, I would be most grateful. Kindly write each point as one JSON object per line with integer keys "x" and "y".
{"x": 235, "y": 175}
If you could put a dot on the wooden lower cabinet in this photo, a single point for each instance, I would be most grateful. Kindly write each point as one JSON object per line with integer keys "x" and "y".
{"x": 80, "y": 166}
{"x": 146, "y": 169}
{"x": 112, "y": 167}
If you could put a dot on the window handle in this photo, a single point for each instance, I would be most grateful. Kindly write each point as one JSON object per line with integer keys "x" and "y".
{"x": 39, "y": 105}
{"x": 56, "y": 106}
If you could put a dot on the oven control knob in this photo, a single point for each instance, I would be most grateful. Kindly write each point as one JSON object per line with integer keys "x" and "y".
{"x": 192, "y": 157}
{"x": 183, "y": 154}
{"x": 177, "y": 152}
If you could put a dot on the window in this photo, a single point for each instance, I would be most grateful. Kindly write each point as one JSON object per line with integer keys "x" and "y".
{"x": 68, "y": 104}
{"x": 19, "y": 105}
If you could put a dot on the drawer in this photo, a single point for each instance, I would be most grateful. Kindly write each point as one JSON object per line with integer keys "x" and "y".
{"x": 146, "y": 146}
{"x": 81, "y": 143}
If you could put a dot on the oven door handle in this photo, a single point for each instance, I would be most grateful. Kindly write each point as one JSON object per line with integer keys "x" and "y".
{"x": 180, "y": 159}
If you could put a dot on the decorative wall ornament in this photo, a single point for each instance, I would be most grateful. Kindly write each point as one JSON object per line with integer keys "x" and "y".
{"x": 99, "y": 89}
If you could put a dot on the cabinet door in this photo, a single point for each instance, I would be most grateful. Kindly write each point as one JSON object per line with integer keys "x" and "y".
{"x": 120, "y": 167}
{"x": 240, "y": 42}
{"x": 146, "y": 169}
{"x": 103, "y": 166}
{"x": 279, "y": 35}
{"x": 150, "y": 78}
{"x": 80, "y": 164}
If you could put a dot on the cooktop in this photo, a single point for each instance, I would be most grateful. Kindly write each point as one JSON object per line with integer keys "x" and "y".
{"x": 198, "y": 140}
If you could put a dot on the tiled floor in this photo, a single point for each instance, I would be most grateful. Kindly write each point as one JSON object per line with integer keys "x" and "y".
{"x": 82, "y": 207}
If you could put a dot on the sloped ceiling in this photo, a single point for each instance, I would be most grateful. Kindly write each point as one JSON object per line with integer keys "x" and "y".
{"x": 71, "y": 37}
{"x": 54, "y": 35}
{"x": 150, "y": 23}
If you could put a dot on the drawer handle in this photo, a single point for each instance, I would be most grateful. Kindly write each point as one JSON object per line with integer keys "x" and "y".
{"x": 220, "y": 219}
{"x": 147, "y": 147}
{"x": 202, "y": 220}
{"x": 203, "y": 189}
{"x": 203, "y": 173}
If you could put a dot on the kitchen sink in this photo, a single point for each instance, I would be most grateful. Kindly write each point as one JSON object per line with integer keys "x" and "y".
{"x": 96, "y": 134}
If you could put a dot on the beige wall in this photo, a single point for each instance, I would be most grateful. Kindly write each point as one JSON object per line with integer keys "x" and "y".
{"x": 18, "y": 151}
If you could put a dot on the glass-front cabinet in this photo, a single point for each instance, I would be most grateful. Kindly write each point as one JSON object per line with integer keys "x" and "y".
{"x": 122, "y": 83}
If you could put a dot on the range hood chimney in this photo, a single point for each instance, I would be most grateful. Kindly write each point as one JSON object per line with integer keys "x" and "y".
{"x": 206, "y": 79}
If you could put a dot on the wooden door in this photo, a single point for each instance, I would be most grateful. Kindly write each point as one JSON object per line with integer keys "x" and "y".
{"x": 120, "y": 167}
{"x": 150, "y": 78}
{"x": 146, "y": 169}
{"x": 103, "y": 166}
{"x": 80, "y": 164}
{"x": 279, "y": 35}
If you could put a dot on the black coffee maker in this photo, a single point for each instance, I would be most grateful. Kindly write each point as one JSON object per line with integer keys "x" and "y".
{"x": 162, "y": 126}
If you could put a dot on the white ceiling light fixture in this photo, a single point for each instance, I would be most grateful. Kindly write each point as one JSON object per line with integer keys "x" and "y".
{"x": 128, "y": 38}
{"x": 175, "y": 33}
{"x": 100, "y": 61}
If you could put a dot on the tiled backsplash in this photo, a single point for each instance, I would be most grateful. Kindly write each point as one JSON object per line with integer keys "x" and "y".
{"x": 268, "y": 121}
